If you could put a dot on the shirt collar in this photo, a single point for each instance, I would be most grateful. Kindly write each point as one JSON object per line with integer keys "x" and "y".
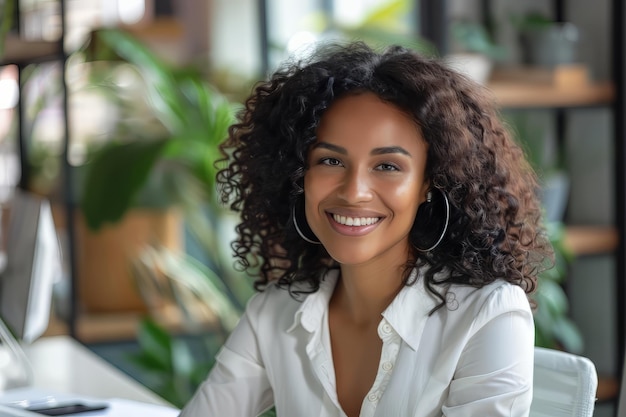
{"x": 408, "y": 312}
{"x": 312, "y": 309}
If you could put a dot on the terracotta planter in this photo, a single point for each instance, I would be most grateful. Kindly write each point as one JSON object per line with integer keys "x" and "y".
{"x": 105, "y": 281}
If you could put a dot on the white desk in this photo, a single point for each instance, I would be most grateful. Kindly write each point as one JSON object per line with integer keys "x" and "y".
{"x": 61, "y": 364}
{"x": 65, "y": 370}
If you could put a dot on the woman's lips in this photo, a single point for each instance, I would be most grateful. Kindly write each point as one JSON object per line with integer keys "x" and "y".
{"x": 353, "y": 225}
{"x": 355, "y": 221}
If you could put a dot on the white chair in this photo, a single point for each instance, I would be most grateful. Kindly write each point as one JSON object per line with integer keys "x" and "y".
{"x": 564, "y": 385}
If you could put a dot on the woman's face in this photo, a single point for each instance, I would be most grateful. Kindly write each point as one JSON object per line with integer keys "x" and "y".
{"x": 365, "y": 180}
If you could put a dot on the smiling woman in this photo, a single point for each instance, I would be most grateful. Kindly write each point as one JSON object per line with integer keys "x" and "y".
{"x": 394, "y": 230}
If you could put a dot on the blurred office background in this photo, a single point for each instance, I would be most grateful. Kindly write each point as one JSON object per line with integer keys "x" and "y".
{"x": 113, "y": 111}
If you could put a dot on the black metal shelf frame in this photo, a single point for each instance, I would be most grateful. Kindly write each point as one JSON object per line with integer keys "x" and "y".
{"x": 23, "y": 149}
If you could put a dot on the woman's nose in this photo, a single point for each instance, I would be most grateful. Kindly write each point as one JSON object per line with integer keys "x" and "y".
{"x": 356, "y": 186}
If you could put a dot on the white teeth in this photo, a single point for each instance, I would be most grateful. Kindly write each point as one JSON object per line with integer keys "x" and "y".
{"x": 355, "y": 221}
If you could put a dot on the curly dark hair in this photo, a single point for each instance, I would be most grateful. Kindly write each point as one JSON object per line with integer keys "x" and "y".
{"x": 495, "y": 230}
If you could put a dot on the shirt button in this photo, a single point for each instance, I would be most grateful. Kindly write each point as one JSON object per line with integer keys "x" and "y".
{"x": 372, "y": 398}
{"x": 386, "y": 328}
{"x": 387, "y": 366}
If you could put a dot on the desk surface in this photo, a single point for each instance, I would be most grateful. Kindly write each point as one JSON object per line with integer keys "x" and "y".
{"x": 62, "y": 364}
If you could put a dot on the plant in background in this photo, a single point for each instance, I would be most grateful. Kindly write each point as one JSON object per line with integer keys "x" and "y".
{"x": 171, "y": 368}
{"x": 474, "y": 50}
{"x": 545, "y": 42}
{"x": 165, "y": 157}
{"x": 532, "y": 20}
{"x": 193, "y": 119}
{"x": 162, "y": 152}
{"x": 474, "y": 38}
{"x": 177, "y": 365}
{"x": 553, "y": 327}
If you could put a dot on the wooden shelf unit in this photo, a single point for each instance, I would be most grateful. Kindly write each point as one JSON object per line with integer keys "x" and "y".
{"x": 532, "y": 88}
{"x": 591, "y": 240}
{"x": 562, "y": 87}
{"x": 521, "y": 94}
{"x": 19, "y": 51}
{"x": 608, "y": 388}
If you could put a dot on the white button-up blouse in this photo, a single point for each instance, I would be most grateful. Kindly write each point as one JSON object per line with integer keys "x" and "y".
{"x": 472, "y": 357}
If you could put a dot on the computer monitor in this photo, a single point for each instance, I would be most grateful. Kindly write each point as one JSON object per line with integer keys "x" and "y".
{"x": 33, "y": 265}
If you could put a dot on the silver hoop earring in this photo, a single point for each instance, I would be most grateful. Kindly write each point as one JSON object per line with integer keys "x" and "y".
{"x": 302, "y": 235}
{"x": 429, "y": 200}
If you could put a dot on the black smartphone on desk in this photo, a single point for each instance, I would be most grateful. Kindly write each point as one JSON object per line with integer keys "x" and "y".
{"x": 65, "y": 409}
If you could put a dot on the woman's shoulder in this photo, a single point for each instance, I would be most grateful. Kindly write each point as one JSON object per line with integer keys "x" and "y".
{"x": 271, "y": 310}
{"x": 491, "y": 300}
{"x": 281, "y": 308}
{"x": 272, "y": 298}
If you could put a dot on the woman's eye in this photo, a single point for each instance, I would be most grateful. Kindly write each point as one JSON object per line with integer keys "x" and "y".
{"x": 387, "y": 167}
{"x": 330, "y": 161}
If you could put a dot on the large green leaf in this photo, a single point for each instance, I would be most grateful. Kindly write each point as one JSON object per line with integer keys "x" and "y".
{"x": 551, "y": 296}
{"x": 164, "y": 83}
{"x": 196, "y": 116}
{"x": 156, "y": 344}
{"x": 114, "y": 177}
{"x": 171, "y": 368}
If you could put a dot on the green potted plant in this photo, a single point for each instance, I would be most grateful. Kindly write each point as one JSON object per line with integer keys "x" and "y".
{"x": 161, "y": 157}
{"x": 545, "y": 42}
{"x": 474, "y": 50}
{"x": 193, "y": 119}
{"x": 474, "y": 37}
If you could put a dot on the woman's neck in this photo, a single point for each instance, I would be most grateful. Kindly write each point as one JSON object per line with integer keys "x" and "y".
{"x": 364, "y": 292}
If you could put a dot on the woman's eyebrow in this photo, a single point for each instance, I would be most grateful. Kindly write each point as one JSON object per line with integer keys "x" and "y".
{"x": 390, "y": 149}
{"x": 330, "y": 147}
{"x": 376, "y": 151}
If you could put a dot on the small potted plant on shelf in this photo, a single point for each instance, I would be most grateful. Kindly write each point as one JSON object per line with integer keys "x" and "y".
{"x": 474, "y": 50}
{"x": 545, "y": 42}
